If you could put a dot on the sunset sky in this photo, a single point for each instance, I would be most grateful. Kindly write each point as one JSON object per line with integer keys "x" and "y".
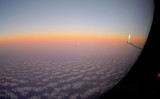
{"x": 44, "y": 19}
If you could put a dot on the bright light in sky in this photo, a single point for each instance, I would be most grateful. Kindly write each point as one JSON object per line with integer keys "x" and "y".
{"x": 110, "y": 17}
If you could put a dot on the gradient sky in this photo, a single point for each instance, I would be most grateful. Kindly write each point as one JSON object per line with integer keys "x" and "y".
{"x": 106, "y": 17}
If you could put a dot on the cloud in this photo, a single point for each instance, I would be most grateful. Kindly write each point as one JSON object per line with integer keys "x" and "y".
{"x": 89, "y": 92}
{"x": 77, "y": 85}
{"x": 74, "y": 96}
{"x": 8, "y": 94}
{"x": 35, "y": 97}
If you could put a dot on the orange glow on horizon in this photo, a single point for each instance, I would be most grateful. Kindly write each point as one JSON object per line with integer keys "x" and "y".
{"x": 67, "y": 37}
{"x": 59, "y": 37}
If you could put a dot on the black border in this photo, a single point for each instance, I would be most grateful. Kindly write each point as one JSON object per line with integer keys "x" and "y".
{"x": 142, "y": 79}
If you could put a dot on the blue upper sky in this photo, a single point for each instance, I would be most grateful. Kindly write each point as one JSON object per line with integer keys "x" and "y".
{"x": 108, "y": 16}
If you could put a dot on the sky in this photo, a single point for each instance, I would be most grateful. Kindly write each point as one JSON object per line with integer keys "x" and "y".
{"x": 82, "y": 17}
